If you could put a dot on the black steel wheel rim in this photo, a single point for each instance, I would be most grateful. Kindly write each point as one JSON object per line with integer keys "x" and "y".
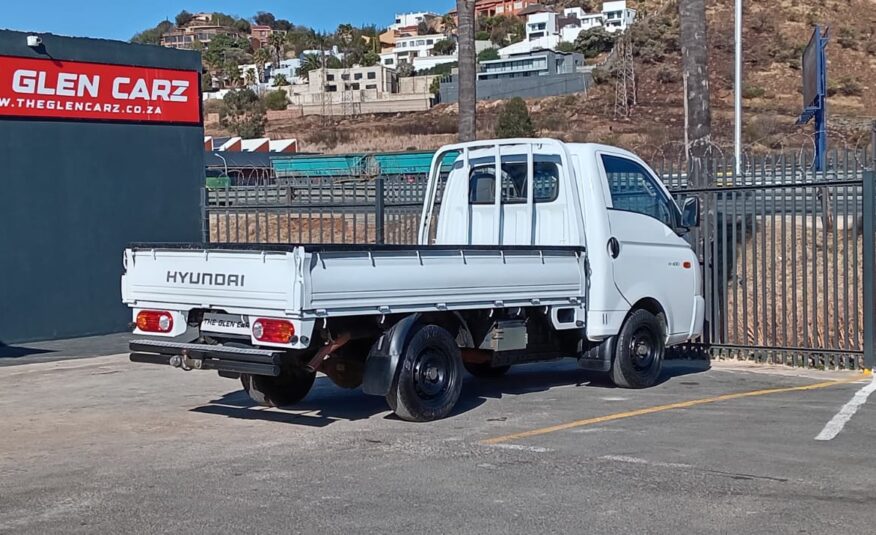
{"x": 643, "y": 349}
{"x": 431, "y": 374}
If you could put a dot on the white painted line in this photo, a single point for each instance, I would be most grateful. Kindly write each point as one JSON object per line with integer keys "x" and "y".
{"x": 836, "y": 424}
{"x": 637, "y": 460}
{"x": 521, "y": 447}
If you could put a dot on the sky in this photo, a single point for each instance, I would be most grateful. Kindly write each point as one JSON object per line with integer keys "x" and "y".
{"x": 121, "y": 19}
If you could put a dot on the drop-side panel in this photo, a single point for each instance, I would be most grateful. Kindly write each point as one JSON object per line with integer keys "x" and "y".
{"x": 367, "y": 282}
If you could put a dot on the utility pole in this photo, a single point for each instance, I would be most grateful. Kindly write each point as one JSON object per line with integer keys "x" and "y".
{"x": 737, "y": 87}
{"x": 465, "y": 10}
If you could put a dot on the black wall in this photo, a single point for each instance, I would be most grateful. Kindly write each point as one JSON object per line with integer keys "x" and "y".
{"x": 73, "y": 194}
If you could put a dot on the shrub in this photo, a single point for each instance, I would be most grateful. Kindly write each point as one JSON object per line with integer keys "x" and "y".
{"x": 667, "y": 75}
{"x": 848, "y": 38}
{"x": 514, "y": 120}
{"x": 601, "y": 75}
{"x": 753, "y": 91}
{"x": 762, "y": 22}
{"x": 488, "y": 54}
{"x": 849, "y": 87}
{"x": 276, "y": 100}
{"x": 565, "y": 46}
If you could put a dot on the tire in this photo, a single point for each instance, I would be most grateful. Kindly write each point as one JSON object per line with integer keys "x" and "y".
{"x": 638, "y": 357}
{"x": 429, "y": 379}
{"x": 483, "y": 370}
{"x": 290, "y": 387}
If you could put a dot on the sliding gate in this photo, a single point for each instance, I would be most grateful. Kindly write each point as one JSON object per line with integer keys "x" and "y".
{"x": 788, "y": 262}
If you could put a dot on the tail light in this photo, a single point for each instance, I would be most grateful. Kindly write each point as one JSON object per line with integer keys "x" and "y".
{"x": 155, "y": 321}
{"x": 273, "y": 331}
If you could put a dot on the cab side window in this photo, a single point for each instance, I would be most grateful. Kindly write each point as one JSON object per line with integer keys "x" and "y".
{"x": 633, "y": 189}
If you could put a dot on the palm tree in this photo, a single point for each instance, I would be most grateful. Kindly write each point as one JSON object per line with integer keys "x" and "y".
{"x": 280, "y": 80}
{"x": 309, "y": 62}
{"x": 449, "y": 24}
{"x": 465, "y": 9}
{"x": 695, "y": 64}
{"x": 277, "y": 42}
{"x": 250, "y": 77}
{"x": 260, "y": 57}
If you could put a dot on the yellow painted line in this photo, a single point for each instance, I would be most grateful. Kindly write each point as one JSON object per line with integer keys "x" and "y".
{"x": 661, "y": 408}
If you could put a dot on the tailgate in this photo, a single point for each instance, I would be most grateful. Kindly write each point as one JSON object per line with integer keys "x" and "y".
{"x": 233, "y": 280}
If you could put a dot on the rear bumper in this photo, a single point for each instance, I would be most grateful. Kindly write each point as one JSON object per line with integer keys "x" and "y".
{"x": 207, "y": 357}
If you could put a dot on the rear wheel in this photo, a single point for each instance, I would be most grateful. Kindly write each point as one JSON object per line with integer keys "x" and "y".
{"x": 638, "y": 357}
{"x": 429, "y": 379}
{"x": 484, "y": 370}
{"x": 290, "y": 387}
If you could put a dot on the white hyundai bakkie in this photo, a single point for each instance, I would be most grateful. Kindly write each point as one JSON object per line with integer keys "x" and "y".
{"x": 578, "y": 252}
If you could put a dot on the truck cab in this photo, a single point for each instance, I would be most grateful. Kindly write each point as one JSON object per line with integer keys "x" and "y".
{"x": 600, "y": 197}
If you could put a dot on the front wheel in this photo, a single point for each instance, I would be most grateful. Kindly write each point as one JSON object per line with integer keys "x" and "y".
{"x": 290, "y": 387}
{"x": 638, "y": 357}
{"x": 429, "y": 381}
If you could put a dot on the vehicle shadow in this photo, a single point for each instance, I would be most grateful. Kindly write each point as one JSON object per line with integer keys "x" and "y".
{"x": 327, "y": 403}
{"x": 17, "y": 352}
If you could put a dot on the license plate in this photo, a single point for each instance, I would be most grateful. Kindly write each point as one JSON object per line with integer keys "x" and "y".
{"x": 226, "y": 324}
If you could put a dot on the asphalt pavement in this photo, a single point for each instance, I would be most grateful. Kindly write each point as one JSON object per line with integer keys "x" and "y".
{"x": 101, "y": 445}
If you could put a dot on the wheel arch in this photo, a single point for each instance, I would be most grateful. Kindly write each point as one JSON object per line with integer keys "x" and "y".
{"x": 653, "y": 306}
{"x": 381, "y": 366}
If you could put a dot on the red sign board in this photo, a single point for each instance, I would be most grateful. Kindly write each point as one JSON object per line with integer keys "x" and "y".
{"x": 44, "y": 88}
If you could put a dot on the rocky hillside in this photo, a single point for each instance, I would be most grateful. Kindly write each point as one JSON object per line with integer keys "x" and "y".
{"x": 774, "y": 34}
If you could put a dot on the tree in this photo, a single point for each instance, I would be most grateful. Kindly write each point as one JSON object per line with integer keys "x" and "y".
{"x": 225, "y": 47}
{"x": 488, "y": 54}
{"x": 370, "y": 59}
{"x": 565, "y": 46}
{"x": 423, "y": 28}
{"x": 465, "y": 9}
{"x": 309, "y": 62}
{"x": 594, "y": 41}
{"x": 449, "y": 24}
{"x": 280, "y": 80}
{"x": 261, "y": 57}
{"x": 514, "y": 120}
{"x": 243, "y": 114}
{"x": 231, "y": 73}
{"x": 183, "y": 18}
{"x": 242, "y": 25}
{"x": 282, "y": 25}
{"x": 250, "y": 77}
{"x": 404, "y": 70}
{"x": 276, "y": 100}
{"x": 435, "y": 86}
{"x": 695, "y": 64}
{"x": 264, "y": 18}
{"x": 152, "y": 36}
{"x": 444, "y": 47}
{"x": 277, "y": 42}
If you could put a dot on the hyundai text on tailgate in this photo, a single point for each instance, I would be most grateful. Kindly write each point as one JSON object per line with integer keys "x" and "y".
{"x": 528, "y": 250}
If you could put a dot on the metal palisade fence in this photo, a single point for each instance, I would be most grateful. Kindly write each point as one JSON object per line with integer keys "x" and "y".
{"x": 787, "y": 252}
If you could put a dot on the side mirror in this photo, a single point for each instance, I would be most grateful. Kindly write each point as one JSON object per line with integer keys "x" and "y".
{"x": 690, "y": 212}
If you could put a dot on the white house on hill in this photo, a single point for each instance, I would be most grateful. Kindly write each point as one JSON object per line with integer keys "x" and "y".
{"x": 546, "y": 30}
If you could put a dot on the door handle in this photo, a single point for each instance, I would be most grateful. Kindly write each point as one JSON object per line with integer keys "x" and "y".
{"x": 613, "y": 247}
